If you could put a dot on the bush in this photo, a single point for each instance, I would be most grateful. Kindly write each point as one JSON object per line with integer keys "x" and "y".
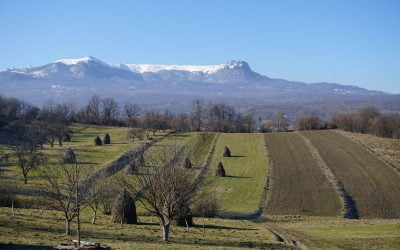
{"x": 107, "y": 139}
{"x": 97, "y": 141}
{"x": 207, "y": 206}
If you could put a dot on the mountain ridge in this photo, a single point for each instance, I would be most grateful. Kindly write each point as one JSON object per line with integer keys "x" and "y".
{"x": 174, "y": 86}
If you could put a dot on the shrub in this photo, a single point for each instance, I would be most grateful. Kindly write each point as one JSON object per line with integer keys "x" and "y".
{"x": 207, "y": 206}
{"x": 107, "y": 139}
{"x": 97, "y": 141}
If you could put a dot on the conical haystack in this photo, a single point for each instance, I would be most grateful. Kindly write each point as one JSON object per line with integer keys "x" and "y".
{"x": 124, "y": 209}
{"x": 227, "y": 152}
{"x": 220, "y": 170}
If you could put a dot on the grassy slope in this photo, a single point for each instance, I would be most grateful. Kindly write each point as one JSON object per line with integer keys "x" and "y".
{"x": 96, "y": 157}
{"x": 372, "y": 184}
{"x": 246, "y": 171}
{"x": 298, "y": 186}
{"x": 338, "y": 233}
{"x": 46, "y": 228}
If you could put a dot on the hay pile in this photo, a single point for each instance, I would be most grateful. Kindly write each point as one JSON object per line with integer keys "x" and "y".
{"x": 68, "y": 156}
{"x": 220, "y": 172}
{"x": 227, "y": 152}
{"x": 97, "y": 141}
{"x": 124, "y": 209}
{"x": 107, "y": 139}
{"x": 187, "y": 163}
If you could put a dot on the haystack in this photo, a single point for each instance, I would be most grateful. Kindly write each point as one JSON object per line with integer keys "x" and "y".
{"x": 227, "y": 152}
{"x": 97, "y": 141}
{"x": 68, "y": 156}
{"x": 107, "y": 139}
{"x": 220, "y": 170}
{"x": 187, "y": 163}
{"x": 66, "y": 137}
{"x": 124, "y": 209}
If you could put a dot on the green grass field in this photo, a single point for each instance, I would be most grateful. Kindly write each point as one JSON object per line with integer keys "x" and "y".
{"x": 46, "y": 228}
{"x": 338, "y": 233}
{"x": 240, "y": 191}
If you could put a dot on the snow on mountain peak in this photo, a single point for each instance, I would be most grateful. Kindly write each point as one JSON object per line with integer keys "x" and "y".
{"x": 143, "y": 68}
{"x": 209, "y": 69}
{"x": 153, "y": 68}
{"x": 86, "y": 59}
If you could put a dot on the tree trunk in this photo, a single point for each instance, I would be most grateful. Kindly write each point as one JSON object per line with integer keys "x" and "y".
{"x": 165, "y": 231}
{"x": 187, "y": 225}
{"x": 204, "y": 225}
{"x": 12, "y": 208}
{"x": 67, "y": 227}
{"x": 60, "y": 142}
{"x": 25, "y": 178}
{"x": 94, "y": 217}
{"x": 51, "y": 143}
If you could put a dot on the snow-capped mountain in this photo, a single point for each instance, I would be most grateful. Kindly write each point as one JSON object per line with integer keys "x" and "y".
{"x": 174, "y": 86}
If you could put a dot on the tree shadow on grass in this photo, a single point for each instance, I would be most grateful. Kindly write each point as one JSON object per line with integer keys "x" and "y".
{"x": 223, "y": 227}
{"x": 237, "y": 156}
{"x": 23, "y": 247}
{"x": 237, "y": 177}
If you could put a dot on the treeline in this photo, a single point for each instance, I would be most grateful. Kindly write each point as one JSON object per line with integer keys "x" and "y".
{"x": 369, "y": 121}
{"x": 218, "y": 117}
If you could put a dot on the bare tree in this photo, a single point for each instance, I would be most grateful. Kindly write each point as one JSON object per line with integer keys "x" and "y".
{"x": 109, "y": 110}
{"x": 197, "y": 114}
{"x": 28, "y": 158}
{"x": 280, "y": 122}
{"x": 163, "y": 187}
{"x": 131, "y": 110}
{"x": 62, "y": 188}
{"x": 93, "y": 108}
{"x": 96, "y": 195}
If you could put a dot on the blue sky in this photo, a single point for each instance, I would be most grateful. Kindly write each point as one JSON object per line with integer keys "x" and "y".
{"x": 348, "y": 42}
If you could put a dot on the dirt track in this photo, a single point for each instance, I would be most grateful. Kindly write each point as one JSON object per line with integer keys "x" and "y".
{"x": 298, "y": 185}
{"x": 372, "y": 184}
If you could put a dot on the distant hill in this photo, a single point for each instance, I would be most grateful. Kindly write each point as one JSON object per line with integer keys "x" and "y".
{"x": 175, "y": 86}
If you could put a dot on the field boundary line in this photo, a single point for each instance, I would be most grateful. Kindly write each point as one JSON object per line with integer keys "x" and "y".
{"x": 382, "y": 158}
{"x": 349, "y": 209}
{"x": 262, "y": 203}
{"x": 200, "y": 177}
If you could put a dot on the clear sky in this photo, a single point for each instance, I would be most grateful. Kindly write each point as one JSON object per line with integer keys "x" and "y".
{"x": 348, "y": 42}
